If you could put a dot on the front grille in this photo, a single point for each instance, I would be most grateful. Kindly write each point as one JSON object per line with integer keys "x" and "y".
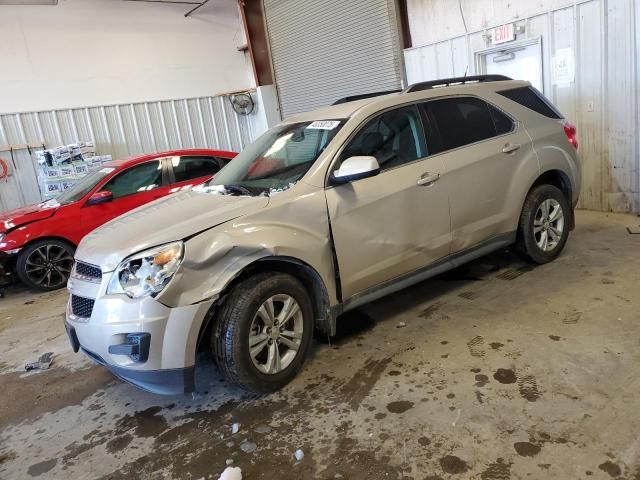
{"x": 88, "y": 271}
{"x": 81, "y": 307}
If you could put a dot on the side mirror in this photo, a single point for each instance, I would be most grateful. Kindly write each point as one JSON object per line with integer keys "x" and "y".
{"x": 100, "y": 197}
{"x": 355, "y": 168}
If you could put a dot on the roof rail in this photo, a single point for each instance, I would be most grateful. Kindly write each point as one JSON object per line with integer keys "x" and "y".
{"x": 362, "y": 96}
{"x": 448, "y": 82}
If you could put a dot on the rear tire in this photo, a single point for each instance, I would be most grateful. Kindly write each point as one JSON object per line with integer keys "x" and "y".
{"x": 544, "y": 224}
{"x": 263, "y": 332}
{"x": 45, "y": 265}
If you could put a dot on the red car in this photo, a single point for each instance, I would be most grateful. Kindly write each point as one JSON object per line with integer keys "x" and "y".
{"x": 38, "y": 241}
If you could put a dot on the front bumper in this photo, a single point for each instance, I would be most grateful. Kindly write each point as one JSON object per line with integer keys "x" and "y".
{"x": 7, "y": 261}
{"x": 174, "y": 381}
{"x": 168, "y": 366}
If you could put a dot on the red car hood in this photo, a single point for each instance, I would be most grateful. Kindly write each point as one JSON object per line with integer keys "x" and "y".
{"x": 28, "y": 214}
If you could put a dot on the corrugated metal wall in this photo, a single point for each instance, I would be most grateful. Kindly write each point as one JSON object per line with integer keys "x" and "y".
{"x": 603, "y": 100}
{"x": 119, "y": 130}
{"x": 323, "y": 51}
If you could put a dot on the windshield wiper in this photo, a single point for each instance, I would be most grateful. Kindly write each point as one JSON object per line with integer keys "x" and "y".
{"x": 238, "y": 189}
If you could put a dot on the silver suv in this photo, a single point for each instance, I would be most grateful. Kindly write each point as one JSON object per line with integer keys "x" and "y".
{"x": 322, "y": 214}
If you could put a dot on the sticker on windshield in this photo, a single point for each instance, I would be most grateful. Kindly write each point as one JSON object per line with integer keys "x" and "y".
{"x": 324, "y": 125}
{"x": 107, "y": 170}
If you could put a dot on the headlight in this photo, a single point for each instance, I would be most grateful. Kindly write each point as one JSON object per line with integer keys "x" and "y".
{"x": 147, "y": 273}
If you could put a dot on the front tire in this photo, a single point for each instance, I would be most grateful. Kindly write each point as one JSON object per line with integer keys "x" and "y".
{"x": 45, "y": 265}
{"x": 544, "y": 224}
{"x": 263, "y": 332}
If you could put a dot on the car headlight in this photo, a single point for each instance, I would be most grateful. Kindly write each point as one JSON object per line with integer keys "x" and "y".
{"x": 148, "y": 272}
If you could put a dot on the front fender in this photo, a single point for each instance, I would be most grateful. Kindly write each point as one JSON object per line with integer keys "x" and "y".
{"x": 213, "y": 259}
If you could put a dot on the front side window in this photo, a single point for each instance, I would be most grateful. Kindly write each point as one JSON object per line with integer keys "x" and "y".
{"x": 278, "y": 159}
{"x": 462, "y": 121}
{"x": 394, "y": 138}
{"x": 188, "y": 167}
{"x": 139, "y": 178}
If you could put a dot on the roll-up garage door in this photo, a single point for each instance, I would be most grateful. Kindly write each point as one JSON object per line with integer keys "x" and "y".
{"x": 326, "y": 50}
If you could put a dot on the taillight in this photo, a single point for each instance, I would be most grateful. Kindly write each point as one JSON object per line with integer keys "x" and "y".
{"x": 572, "y": 133}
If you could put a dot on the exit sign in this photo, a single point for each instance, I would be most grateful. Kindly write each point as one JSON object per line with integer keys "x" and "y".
{"x": 503, "y": 34}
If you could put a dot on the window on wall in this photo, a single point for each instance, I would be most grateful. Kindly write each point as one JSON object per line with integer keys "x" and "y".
{"x": 139, "y": 178}
{"x": 462, "y": 121}
{"x": 191, "y": 167}
{"x": 394, "y": 138}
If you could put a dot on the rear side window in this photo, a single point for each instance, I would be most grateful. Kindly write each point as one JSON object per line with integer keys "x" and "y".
{"x": 502, "y": 122}
{"x": 532, "y": 99}
{"x": 189, "y": 167}
{"x": 461, "y": 121}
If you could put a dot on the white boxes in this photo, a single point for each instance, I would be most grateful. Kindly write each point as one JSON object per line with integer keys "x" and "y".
{"x": 60, "y": 168}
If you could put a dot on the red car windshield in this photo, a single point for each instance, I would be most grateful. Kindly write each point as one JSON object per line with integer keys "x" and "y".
{"x": 84, "y": 186}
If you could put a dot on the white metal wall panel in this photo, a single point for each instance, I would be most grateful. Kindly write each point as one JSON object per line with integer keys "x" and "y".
{"x": 602, "y": 101}
{"x": 323, "y": 51}
{"x": 119, "y": 130}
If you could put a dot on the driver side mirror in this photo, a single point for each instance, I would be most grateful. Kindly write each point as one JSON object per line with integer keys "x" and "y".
{"x": 100, "y": 197}
{"x": 355, "y": 168}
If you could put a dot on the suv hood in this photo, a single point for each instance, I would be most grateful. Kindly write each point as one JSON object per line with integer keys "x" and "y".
{"x": 29, "y": 214}
{"x": 166, "y": 220}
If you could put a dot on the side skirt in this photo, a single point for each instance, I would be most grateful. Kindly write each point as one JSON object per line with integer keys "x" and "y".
{"x": 447, "y": 263}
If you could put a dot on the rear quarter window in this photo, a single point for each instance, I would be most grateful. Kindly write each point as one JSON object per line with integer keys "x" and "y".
{"x": 532, "y": 99}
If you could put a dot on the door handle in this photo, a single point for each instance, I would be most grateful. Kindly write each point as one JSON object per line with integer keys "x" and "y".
{"x": 509, "y": 148}
{"x": 428, "y": 179}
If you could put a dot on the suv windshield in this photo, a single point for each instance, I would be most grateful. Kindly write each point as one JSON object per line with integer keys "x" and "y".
{"x": 276, "y": 160}
{"x": 83, "y": 187}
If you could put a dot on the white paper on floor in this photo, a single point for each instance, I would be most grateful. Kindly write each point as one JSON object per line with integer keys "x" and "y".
{"x": 231, "y": 473}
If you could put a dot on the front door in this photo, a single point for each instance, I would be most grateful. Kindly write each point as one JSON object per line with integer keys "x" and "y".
{"x": 131, "y": 188}
{"x": 398, "y": 221}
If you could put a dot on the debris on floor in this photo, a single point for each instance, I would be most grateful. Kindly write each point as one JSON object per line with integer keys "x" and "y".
{"x": 235, "y": 428}
{"x": 231, "y": 473}
{"x": 401, "y": 325}
{"x": 299, "y": 454}
{"x": 634, "y": 230}
{"x": 43, "y": 363}
{"x": 248, "y": 447}
{"x": 263, "y": 429}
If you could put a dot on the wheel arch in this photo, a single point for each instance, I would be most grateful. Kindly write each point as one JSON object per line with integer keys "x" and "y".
{"x": 48, "y": 237}
{"x": 324, "y": 319}
{"x": 560, "y": 180}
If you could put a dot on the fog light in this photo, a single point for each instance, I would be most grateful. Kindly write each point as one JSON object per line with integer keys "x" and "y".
{"x": 136, "y": 348}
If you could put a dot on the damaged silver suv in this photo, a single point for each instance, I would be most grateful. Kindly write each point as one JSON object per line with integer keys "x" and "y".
{"x": 323, "y": 213}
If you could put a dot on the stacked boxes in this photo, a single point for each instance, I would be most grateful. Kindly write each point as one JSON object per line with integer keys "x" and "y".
{"x": 61, "y": 167}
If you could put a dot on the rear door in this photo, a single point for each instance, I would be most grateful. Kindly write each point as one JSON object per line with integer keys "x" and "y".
{"x": 484, "y": 151}
{"x": 398, "y": 221}
{"x": 186, "y": 171}
{"x": 131, "y": 188}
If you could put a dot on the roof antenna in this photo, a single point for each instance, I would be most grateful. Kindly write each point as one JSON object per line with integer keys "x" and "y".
{"x": 466, "y": 70}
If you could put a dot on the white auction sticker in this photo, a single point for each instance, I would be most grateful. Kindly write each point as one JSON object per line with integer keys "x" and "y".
{"x": 107, "y": 170}
{"x": 324, "y": 124}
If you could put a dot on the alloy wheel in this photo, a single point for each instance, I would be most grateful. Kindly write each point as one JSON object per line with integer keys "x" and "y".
{"x": 276, "y": 334}
{"x": 548, "y": 225}
{"x": 49, "y": 266}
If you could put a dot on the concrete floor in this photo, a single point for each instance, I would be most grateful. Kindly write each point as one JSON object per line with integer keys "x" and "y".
{"x": 493, "y": 371}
